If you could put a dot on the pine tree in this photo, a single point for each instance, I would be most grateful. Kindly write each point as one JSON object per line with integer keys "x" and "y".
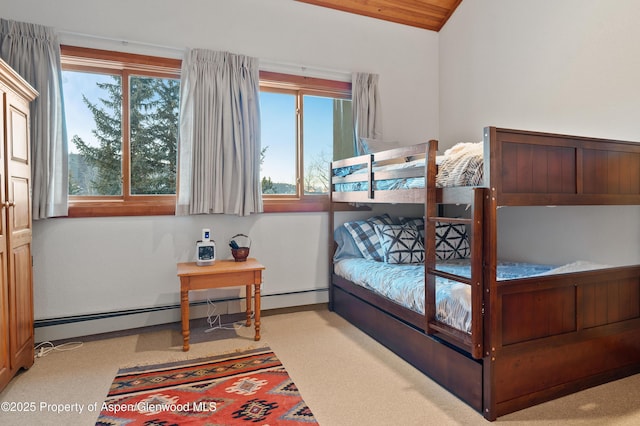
{"x": 267, "y": 186}
{"x": 105, "y": 159}
{"x": 154, "y": 133}
{"x": 153, "y": 118}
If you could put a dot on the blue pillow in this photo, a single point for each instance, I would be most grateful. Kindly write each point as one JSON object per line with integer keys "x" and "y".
{"x": 347, "y": 248}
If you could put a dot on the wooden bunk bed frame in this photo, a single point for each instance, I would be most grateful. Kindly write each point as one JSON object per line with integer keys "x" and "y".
{"x": 532, "y": 339}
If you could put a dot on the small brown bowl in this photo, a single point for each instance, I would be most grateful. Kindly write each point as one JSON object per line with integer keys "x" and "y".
{"x": 240, "y": 254}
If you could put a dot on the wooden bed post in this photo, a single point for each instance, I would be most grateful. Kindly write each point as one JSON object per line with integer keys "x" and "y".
{"x": 490, "y": 268}
{"x": 430, "y": 210}
{"x": 370, "y": 181}
{"x": 477, "y": 273}
{"x": 331, "y": 242}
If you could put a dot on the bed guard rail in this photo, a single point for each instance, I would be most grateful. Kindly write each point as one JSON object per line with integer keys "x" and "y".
{"x": 363, "y": 171}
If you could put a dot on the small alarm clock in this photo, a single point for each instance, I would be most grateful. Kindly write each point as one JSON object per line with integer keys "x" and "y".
{"x": 205, "y": 249}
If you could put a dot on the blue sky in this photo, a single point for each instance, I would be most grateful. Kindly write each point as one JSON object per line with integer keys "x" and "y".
{"x": 278, "y": 127}
{"x": 278, "y": 132}
{"x": 79, "y": 119}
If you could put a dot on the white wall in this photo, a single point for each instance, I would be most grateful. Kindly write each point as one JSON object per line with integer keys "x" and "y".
{"x": 87, "y": 266}
{"x": 568, "y": 66}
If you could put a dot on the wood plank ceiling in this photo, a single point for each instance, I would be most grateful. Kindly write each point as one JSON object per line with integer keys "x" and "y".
{"x": 426, "y": 14}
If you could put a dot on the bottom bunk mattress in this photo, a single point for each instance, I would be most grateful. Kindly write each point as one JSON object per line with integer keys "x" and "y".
{"x": 404, "y": 284}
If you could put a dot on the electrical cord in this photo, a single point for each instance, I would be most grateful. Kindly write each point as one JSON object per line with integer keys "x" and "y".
{"x": 45, "y": 348}
{"x": 215, "y": 321}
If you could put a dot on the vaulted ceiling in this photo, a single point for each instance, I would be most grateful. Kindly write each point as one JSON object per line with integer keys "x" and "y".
{"x": 427, "y": 14}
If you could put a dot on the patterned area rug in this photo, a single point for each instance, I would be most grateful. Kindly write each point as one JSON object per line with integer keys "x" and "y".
{"x": 242, "y": 388}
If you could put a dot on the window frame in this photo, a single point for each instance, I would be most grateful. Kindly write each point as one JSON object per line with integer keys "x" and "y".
{"x": 74, "y": 58}
{"x": 301, "y": 86}
{"x": 124, "y": 65}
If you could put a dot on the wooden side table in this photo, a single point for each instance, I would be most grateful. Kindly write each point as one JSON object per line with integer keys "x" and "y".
{"x": 223, "y": 273}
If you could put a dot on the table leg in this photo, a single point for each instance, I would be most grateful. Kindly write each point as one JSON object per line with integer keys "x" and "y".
{"x": 257, "y": 311}
{"x": 184, "y": 307}
{"x": 248, "y": 291}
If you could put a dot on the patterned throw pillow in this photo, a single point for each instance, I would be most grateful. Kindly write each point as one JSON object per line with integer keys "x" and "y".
{"x": 417, "y": 222}
{"x": 365, "y": 237}
{"x": 401, "y": 244}
{"x": 452, "y": 241}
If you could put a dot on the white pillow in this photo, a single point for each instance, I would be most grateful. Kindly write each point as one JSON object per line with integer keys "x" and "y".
{"x": 452, "y": 241}
{"x": 401, "y": 244}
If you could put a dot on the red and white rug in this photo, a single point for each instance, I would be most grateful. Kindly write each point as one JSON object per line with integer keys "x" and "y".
{"x": 242, "y": 388}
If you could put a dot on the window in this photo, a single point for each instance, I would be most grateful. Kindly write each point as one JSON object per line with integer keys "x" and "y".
{"x": 304, "y": 120}
{"x": 122, "y": 123}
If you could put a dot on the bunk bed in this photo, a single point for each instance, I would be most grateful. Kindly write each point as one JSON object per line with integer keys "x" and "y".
{"x": 528, "y": 340}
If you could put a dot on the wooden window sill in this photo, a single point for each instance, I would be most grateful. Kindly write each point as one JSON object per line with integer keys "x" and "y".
{"x": 121, "y": 208}
{"x": 105, "y": 208}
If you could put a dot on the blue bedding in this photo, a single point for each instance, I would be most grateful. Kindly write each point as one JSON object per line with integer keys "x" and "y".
{"x": 382, "y": 185}
{"x": 404, "y": 284}
{"x": 461, "y": 165}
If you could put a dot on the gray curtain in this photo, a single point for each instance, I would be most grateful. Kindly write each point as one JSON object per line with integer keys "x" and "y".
{"x": 33, "y": 51}
{"x": 219, "y": 152}
{"x": 367, "y": 110}
{"x": 342, "y": 129}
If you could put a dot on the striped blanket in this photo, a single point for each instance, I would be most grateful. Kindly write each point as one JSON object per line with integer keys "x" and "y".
{"x": 462, "y": 165}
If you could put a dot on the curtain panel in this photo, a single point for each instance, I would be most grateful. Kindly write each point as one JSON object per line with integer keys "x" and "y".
{"x": 219, "y": 150}
{"x": 33, "y": 51}
{"x": 367, "y": 110}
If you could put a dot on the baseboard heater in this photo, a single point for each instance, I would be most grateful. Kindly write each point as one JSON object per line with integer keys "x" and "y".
{"x": 48, "y": 322}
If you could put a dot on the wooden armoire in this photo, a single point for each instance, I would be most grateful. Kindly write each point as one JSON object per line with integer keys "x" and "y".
{"x": 16, "y": 278}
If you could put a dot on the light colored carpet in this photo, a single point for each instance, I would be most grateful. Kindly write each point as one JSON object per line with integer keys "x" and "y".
{"x": 345, "y": 377}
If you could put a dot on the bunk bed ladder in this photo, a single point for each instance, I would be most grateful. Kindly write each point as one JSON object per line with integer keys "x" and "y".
{"x": 473, "y": 342}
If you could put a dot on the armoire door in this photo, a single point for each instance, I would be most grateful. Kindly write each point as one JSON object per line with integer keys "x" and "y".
{"x": 5, "y": 359}
{"x": 18, "y": 213}
{"x": 16, "y": 278}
